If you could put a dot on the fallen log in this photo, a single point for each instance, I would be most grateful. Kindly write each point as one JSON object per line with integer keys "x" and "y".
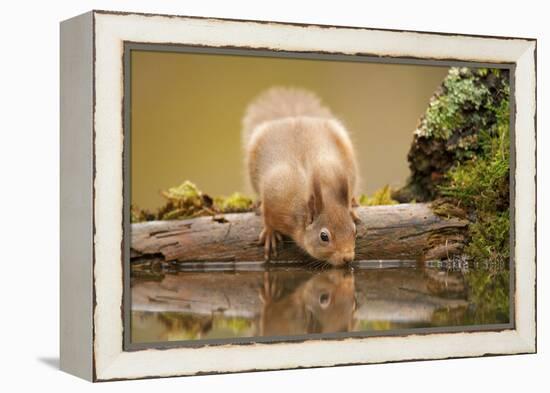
{"x": 404, "y": 232}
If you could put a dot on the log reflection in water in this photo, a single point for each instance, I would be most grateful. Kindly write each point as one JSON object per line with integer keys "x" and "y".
{"x": 293, "y": 301}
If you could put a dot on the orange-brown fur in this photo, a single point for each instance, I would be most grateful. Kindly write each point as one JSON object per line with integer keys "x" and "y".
{"x": 301, "y": 163}
{"x": 323, "y": 304}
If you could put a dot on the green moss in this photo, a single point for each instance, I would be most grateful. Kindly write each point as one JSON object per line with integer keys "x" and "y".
{"x": 185, "y": 193}
{"x": 489, "y": 237}
{"x": 380, "y": 197}
{"x": 183, "y": 326}
{"x": 482, "y": 186}
{"x": 187, "y": 201}
{"x": 446, "y": 111}
{"x": 140, "y": 215}
{"x": 459, "y": 157}
{"x": 237, "y": 325}
{"x": 457, "y": 126}
{"x": 447, "y": 208}
{"x": 236, "y": 202}
{"x": 488, "y": 291}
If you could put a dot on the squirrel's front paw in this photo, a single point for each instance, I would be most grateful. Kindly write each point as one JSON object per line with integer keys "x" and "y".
{"x": 269, "y": 239}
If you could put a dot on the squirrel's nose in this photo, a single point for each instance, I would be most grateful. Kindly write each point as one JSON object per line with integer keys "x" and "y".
{"x": 349, "y": 257}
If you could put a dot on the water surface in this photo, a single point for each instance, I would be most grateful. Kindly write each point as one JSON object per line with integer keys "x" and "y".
{"x": 250, "y": 300}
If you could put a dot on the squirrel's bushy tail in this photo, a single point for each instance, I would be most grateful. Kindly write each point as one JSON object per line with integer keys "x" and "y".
{"x": 278, "y": 103}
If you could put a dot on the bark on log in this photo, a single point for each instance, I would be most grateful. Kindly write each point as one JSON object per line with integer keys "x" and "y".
{"x": 403, "y": 232}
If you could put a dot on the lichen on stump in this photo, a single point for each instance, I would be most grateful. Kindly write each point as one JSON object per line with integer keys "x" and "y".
{"x": 462, "y": 116}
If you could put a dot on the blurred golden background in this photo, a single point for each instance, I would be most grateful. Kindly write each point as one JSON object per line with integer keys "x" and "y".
{"x": 186, "y": 112}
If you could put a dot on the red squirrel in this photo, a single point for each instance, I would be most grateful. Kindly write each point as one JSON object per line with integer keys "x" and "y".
{"x": 301, "y": 163}
{"x": 323, "y": 304}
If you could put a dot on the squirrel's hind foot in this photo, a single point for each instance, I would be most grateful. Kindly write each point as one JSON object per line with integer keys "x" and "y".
{"x": 269, "y": 239}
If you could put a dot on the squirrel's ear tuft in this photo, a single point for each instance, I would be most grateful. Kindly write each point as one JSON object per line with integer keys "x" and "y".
{"x": 315, "y": 203}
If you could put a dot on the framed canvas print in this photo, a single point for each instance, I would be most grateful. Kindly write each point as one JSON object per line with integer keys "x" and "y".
{"x": 246, "y": 195}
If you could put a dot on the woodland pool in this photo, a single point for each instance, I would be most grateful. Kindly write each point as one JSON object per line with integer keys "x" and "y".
{"x": 250, "y": 300}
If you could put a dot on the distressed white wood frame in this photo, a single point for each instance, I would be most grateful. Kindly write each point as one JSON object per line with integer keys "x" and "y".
{"x": 111, "y": 30}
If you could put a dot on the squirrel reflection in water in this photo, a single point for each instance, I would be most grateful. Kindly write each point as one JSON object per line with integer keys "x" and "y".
{"x": 325, "y": 303}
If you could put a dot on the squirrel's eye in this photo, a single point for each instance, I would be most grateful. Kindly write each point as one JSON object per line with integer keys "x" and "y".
{"x": 324, "y": 236}
{"x": 324, "y": 299}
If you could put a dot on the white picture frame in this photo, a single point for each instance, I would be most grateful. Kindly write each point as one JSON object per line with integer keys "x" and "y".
{"x": 92, "y": 194}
